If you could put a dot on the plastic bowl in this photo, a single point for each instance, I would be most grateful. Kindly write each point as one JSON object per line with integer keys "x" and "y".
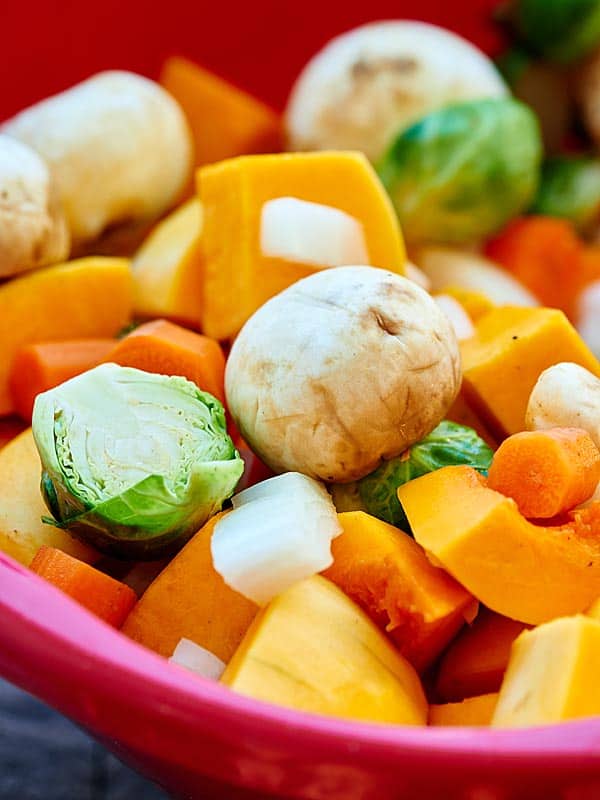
{"x": 197, "y": 738}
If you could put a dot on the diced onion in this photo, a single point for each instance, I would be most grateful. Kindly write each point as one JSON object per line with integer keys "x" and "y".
{"x": 311, "y": 233}
{"x": 459, "y": 319}
{"x": 279, "y": 533}
{"x": 588, "y": 323}
{"x": 197, "y": 659}
{"x": 416, "y": 275}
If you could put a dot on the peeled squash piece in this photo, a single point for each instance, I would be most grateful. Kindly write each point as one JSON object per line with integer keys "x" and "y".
{"x": 22, "y": 531}
{"x": 314, "y": 650}
{"x": 86, "y": 298}
{"x": 552, "y": 675}
{"x": 386, "y": 572}
{"x": 526, "y": 572}
{"x": 472, "y": 712}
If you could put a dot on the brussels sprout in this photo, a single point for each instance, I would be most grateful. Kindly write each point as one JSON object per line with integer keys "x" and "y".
{"x": 570, "y": 188}
{"x": 561, "y": 30}
{"x": 461, "y": 173}
{"x": 133, "y": 462}
{"x": 377, "y": 493}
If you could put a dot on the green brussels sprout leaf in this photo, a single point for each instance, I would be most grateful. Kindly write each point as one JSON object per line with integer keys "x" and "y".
{"x": 570, "y": 188}
{"x": 560, "y": 30}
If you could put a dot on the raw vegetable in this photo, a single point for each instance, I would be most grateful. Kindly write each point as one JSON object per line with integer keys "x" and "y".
{"x": 39, "y": 367}
{"x": 314, "y": 650}
{"x": 386, "y": 573}
{"x": 198, "y": 659}
{"x": 279, "y": 532}
{"x": 546, "y": 472}
{"x": 370, "y": 83}
{"x": 33, "y": 231}
{"x": 22, "y": 531}
{"x": 118, "y": 146}
{"x": 561, "y": 30}
{"x": 588, "y": 314}
{"x": 460, "y": 173}
{"x": 570, "y": 188}
{"x": 190, "y": 600}
{"x": 99, "y": 593}
{"x": 10, "y": 427}
{"x": 586, "y": 85}
{"x": 459, "y": 319}
{"x": 552, "y": 675}
{"x": 251, "y": 195}
{"x": 475, "y": 662}
{"x": 501, "y": 364}
{"x": 475, "y": 303}
{"x": 506, "y": 562}
{"x": 133, "y": 463}
{"x": 544, "y": 254}
{"x": 341, "y": 371}
{"x": 449, "y": 267}
{"x": 473, "y": 712}
{"x": 169, "y": 349}
{"x": 462, "y": 413}
{"x": 167, "y": 268}
{"x": 566, "y": 395}
{"x": 225, "y": 121}
{"x": 90, "y": 297}
{"x": 377, "y": 493}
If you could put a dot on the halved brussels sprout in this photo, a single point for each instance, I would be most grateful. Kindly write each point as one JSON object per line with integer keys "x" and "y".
{"x": 570, "y": 188}
{"x": 133, "y": 462}
{"x": 462, "y": 172}
{"x": 377, "y": 493}
{"x": 561, "y": 30}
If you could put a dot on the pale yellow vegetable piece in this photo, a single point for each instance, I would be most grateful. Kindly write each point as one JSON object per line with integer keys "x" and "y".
{"x": 552, "y": 674}
{"x": 22, "y": 531}
{"x": 314, "y": 650}
{"x": 167, "y": 269}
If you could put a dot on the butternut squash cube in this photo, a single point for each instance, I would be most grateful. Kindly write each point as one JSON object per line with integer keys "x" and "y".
{"x": 472, "y": 712}
{"x": 190, "y": 600}
{"x": 314, "y": 650}
{"x": 552, "y": 674}
{"x": 526, "y": 572}
{"x": 475, "y": 662}
{"x": 225, "y": 121}
{"x": 274, "y": 219}
{"x": 22, "y": 531}
{"x": 167, "y": 269}
{"x": 502, "y": 363}
{"x": 386, "y": 572}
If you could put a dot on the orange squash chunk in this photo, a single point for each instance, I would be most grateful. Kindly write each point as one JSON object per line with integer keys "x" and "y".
{"x": 225, "y": 121}
{"x": 388, "y": 575}
{"x": 190, "y": 600}
{"x": 472, "y": 712}
{"x": 475, "y": 662}
{"x": 510, "y": 350}
{"x": 524, "y": 571}
{"x": 238, "y": 276}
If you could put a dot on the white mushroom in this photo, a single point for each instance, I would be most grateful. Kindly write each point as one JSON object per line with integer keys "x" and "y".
{"x": 345, "y": 368}
{"x": 118, "y": 145}
{"x": 33, "y": 231}
{"x": 364, "y": 86}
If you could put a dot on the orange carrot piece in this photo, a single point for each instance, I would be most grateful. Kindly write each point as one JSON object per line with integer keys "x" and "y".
{"x": 39, "y": 367}
{"x": 166, "y": 348}
{"x": 546, "y": 472}
{"x": 225, "y": 121}
{"x": 544, "y": 253}
{"x": 99, "y": 593}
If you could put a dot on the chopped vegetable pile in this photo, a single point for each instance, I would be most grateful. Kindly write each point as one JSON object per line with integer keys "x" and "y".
{"x": 309, "y": 404}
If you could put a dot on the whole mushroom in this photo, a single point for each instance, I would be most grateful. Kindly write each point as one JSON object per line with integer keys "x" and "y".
{"x": 342, "y": 370}
{"x": 33, "y": 231}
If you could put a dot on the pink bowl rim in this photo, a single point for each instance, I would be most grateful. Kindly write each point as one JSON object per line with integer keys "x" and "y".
{"x": 67, "y": 629}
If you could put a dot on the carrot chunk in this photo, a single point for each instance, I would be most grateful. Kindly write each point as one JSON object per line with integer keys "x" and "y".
{"x": 546, "y": 472}
{"x": 99, "y": 593}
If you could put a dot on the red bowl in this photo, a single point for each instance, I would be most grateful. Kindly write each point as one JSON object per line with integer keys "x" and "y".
{"x": 194, "y": 737}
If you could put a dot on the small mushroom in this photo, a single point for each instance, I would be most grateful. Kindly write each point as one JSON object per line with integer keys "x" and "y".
{"x": 33, "y": 231}
{"x": 342, "y": 370}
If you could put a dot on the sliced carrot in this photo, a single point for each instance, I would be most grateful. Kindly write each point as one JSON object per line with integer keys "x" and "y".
{"x": 99, "y": 593}
{"x": 166, "y": 348}
{"x": 225, "y": 121}
{"x": 546, "y": 472}
{"x": 544, "y": 253}
{"x": 39, "y": 367}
